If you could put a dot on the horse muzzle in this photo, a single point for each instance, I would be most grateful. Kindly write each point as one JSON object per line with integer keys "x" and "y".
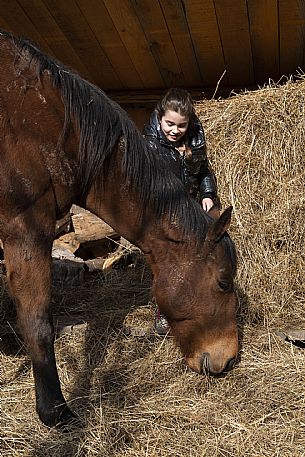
{"x": 205, "y": 364}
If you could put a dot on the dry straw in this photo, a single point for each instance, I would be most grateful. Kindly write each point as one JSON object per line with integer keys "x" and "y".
{"x": 257, "y": 147}
{"x": 134, "y": 394}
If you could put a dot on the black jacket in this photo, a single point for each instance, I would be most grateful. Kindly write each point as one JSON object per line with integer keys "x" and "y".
{"x": 194, "y": 172}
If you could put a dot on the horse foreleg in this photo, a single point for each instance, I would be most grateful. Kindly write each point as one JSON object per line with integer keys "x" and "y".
{"x": 28, "y": 265}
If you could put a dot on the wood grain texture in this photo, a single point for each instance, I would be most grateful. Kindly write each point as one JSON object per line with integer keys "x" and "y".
{"x": 232, "y": 18}
{"x": 77, "y": 31}
{"x": 131, "y": 32}
{"x": 263, "y": 21}
{"x": 175, "y": 17}
{"x": 155, "y": 29}
{"x": 148, "y": 45}
{"x": 53, "y": 35}
{"x": 202, "y": 21}
{"x": 292, "y": 36}
{"x": 20, "y": 23}
{"x": 103, "y": 28}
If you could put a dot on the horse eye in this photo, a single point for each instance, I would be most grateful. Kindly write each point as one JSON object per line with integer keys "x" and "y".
{"x": 225, "y": 286}
{"x": 175, "y": 241}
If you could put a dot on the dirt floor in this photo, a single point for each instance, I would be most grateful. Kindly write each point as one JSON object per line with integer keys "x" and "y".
{"x": 132, "y": 390}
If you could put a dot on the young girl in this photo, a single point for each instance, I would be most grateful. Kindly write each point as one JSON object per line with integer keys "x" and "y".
{"x": 174, "y": 126}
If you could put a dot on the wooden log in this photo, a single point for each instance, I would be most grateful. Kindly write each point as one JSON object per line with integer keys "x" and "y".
{"x": 89, "y": 227}
{"x": 63, "y": 225}
{"x": 68, "y": 241}
{"x": 67, "y": 268}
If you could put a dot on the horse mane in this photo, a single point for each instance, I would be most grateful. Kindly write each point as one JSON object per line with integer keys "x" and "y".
{"x": 102, "y": 124}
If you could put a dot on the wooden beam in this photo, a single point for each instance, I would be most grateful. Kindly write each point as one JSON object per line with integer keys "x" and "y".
{"x": 202, "y": 22}
{"x": 129, "y": 28}
{"x": 70, "y": 19}
{"x": 150, "y": 97}
{"x": 232, "y": 18}
{"x": 292, "y": 36}
{"x": 18, "y": 22}
{"x": 263, "y": 20}
{"x": 53, "y": 35}
{"x": 156, "y": 32}
{"x": 104, "y": 29}
{"x": 174, "y": 14}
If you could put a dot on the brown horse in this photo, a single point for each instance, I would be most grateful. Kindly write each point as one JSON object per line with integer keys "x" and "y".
{"x": 63, "y": 141}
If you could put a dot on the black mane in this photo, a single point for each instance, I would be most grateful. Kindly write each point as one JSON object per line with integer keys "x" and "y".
{"x": 102, "y": 123}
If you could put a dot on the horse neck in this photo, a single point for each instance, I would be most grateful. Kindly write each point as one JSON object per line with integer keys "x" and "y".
{"x": 118, "y": 207}
{"x": 118, "y": 204}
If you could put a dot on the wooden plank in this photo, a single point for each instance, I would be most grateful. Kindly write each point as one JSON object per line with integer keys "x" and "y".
{"x": 63, "y": 225}
{"x": 68, "y": 242}
{"x": 155, "y": 29}
{"x": 77, "y": 31}
{"x": 133, "y": 37}
{"x": 292, "y": 36}
{"x": 68, "y": 271}
{"x": 89, "y": 227}
{"x": 20, "y": 23}
{"x": 101, "y": 23}
{"x": 4, "y": 25}
{"x": 140, "y": 115}
{"x": 54, "y": 37}
{"x": 263, "y": 20}
{"x": 152, "y": 96}
{"x": 232, "y": 18}
{"x": 204, "y": 32}
{"x": 175, "y": 18}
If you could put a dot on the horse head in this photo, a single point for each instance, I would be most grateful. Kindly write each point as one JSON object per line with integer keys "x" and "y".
{"x": 193, "y": 285}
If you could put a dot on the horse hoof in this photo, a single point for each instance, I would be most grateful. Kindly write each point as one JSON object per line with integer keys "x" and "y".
{"x": 67, "y": 418}
{"x": 61, "y": 417}
{"x": 69, "y": 423}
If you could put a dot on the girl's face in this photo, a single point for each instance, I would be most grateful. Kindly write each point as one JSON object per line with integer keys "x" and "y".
{"x": 174, "y": 125}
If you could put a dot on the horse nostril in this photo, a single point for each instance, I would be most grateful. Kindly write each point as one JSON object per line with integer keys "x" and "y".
{"x": 230, "y": 364}
{"x": 205, "y": 363}
{"x": 210, "y": 368}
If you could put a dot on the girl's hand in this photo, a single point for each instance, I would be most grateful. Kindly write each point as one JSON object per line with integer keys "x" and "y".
{"x": 207, "y": 204}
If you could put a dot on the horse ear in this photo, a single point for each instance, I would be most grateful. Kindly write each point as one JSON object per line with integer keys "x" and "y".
{"x": 220, "y": 226}
{"x": 214, "y": 212}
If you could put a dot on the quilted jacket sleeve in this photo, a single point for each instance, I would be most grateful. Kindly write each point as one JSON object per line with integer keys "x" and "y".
{"x": 206, "y": 178}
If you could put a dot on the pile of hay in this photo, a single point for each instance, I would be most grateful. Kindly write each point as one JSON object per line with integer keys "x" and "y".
{"x": 134, "y": 394}
{"x": 256, "y": 144}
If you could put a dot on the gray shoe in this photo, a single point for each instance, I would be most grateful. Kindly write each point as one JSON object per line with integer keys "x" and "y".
{"x": 161, "y": 324}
